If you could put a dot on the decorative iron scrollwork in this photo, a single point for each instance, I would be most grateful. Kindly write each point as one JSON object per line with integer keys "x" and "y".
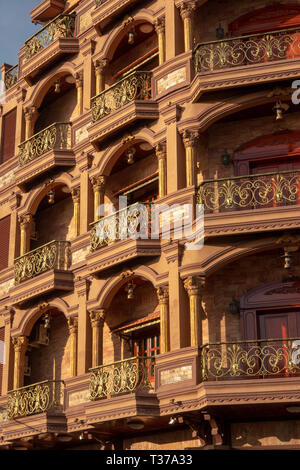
{"x": 63, "y": 26}
{"x": 250, "y": 192}
{"x": 136, "y": 86}
{"x": 36, "y": 398}
{"x": 53, "y": 255}
{"x": 11, "y": 77}
{"x": 55, "y": 137}
{"x": 121, "y": 377}
{"x": 259, "y": 358}
{"x": 247, "y": 50}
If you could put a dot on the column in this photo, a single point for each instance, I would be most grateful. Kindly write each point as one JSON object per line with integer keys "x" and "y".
{"x": 190, "y": 139}
{"x": 194, "y": 287}
{"x": 20, "y": 95}
{"x": 186, "y": 13}
{"x": 73, "y": 327}
{"x": 163, "y": 300}
{"x": 87, "y": 49}
{"x": 7, "y": 378}
{"x": 14, "y": 242}
{"x": 25, "y": 226}
{"x": 160, "y": 29}
{"x": 79, "y": 87}
{"x": 97, "y": 318}
{"x": 100, "y": 75}
{"x": 76, "y": 203}
{"x": 161, "y": 153}
{"x": 98, "y": 183}
{"x": 30, "y": 114}
{"x": 20, "y": 345}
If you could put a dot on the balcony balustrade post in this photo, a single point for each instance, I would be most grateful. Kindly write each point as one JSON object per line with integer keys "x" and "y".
{"x": 190, "y": 139}
{"x": 76, "y": 203}
{"x": 186, "y": 12}
{"x": 25, "y": 226}
{"x": 160, "y": 29}
{"x": 163, "y": 299}
{"x": 194, "y": 287}
{"x": 79, "y": 87}
{"x": 20, "y": 345}
{"x": 73, "y": 328}
{"x": 30, "y": 114}
{"x": 100, "y": 66}
{"x": 97, "y": 318}
{"x": 161, "y": 153}
{"x": 98, "y": 183}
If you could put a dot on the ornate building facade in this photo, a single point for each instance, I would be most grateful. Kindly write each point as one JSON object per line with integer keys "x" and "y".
{"x": 122, "y": 343}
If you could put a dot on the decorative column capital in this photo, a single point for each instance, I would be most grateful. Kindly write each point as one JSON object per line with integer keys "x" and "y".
{"x": 159, "y": 25}
{"x": 25, "y": 220}
{"x": 161, "y": 150}
{"x": 100, "y": 65}
{"x": 30, "y": 112}
{"x": 73, "y": 325}
{"x": 20, "y": 343}
{"x": 163, "y": 294}
{"x": 189, "y": 138}
{"x": 187, "y": 8}
{"x": 75, "y": 195}
{"x": 79, "y": 80}
{"x": 97, "y": 317}
{"x": 194, "y": 285}
{"x": 98, "y": 182}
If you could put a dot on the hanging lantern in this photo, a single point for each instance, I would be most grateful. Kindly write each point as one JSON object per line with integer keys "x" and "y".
{"x": 129, "y": 154}
{"x": 130, "y": 290}
{"x": 131, "y": 36}
{"x": 280, "y": 108}
{"x": 51, "y": 196}
{"x": 220, "y": 33}
{"x": 234, "y": 307}
{"x": 57, "y": 86}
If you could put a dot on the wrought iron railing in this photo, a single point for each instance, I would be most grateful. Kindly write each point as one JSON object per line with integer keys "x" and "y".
{"x": 132, "y": 222}
{"x": 63, "y": 26}
{"x": 57, "y": 136}
{"x": 36, "y": 398}
{"x": 251, "y": 359}
{"x": 247, "y": 50}
{"x": 135, "y": 86}
{"x": 11, "y": 77}
{"x": 53, "y": 255}
{"x": 250, "y": 192}
{"x": 121, "y": 377}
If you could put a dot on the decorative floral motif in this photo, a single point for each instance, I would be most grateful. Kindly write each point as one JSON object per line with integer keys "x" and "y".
{"x": 247, "y": 50}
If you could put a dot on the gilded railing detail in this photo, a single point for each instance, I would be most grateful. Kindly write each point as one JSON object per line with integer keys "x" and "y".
{"x": 57, "y": 136}
{"x": 53, "y": 255}
{"x": 250, "y": 192}
{"x": 11, "y": 77}
{"x": 121, "y": 377}
{"x": 136, "y": 86}
{"x": 36, "y": 398}
{"x": 247, "y": 50}
{"x": 63, "y": 26}
{"x": 247, "y": 359}
{"x": 120, "y": 225}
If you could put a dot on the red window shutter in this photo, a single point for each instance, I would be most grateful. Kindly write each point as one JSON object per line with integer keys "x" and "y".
{"x": 4, "y": 241}
{"x": 8, "y": 135}
{"x": 1, "y": 357}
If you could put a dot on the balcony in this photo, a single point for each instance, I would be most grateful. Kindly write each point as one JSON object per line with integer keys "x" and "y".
{"x": 121, "y": 377}
{"x": 106, "y": 11}
{"x": 128, "y": 386}
{"x": 11, "y": 77}
{"x": 42, "y": 270}
{"x": 247, "y": 59}
{"x": 250, "y": 203}
{"x": 120, "y": 236}
{"x": 131, "y": 97}
{"x": 47, "y": 150}
{"x": 51, "y": 43}
{"x": 47, "y": 10}
{"x": 36, "y": 408}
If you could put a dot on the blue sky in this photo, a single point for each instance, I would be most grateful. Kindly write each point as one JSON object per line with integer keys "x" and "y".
{"x": 15, "y": 27}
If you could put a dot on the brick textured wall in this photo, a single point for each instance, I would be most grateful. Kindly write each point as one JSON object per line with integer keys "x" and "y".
{"x": 235, "y": 280}
{"x": 52, "y": 361}
{"x": 62, "y": 109}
